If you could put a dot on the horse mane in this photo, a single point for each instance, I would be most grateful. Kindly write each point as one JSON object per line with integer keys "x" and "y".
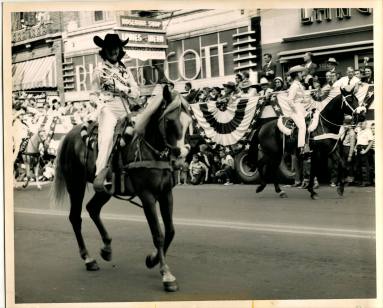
{"x": 152, "y": 133}
{"x": 333, "y": 112}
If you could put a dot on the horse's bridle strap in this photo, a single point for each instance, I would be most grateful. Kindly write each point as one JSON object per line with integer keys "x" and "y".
{"x": 150, "y": 164}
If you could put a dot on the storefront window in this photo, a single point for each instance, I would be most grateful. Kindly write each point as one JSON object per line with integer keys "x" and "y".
{"x": 98, "y": 15}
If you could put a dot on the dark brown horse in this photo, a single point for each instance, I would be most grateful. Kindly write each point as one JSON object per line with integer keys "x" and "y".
{"x": 148, "y": 163}
{"x": 323, "y": 142}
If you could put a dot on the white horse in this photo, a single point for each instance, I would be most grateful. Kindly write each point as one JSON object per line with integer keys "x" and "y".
{"x": 31, "y": 156}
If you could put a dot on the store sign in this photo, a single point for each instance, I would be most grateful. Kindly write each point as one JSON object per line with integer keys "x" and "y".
{"x": 198, "y": 63}
{"x": 32, "y": 32}
{"x": 143, "y": 38}
{"x": 309, "y": 16}
{"x": 141, "y": 23}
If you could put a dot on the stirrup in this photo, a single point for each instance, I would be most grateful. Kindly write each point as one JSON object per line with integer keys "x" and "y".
{"x": 101, "y": 184}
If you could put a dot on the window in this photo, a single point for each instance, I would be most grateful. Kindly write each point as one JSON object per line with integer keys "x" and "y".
{"x": 98, "y": 15}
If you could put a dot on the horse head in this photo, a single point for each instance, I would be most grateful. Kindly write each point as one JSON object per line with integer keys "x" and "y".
{"x": 350, "y": 105}
{"x": 173, "y": 122}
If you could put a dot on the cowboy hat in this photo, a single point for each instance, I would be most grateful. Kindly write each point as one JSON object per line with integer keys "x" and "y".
{"x": 263, "y": 81}
{"x": 296, "y": 69}
{"x": 245, "y": 84}
{"x": 333, "y": 61}
{"x": 230, "y": 85}
{"x": 111, "y": 39}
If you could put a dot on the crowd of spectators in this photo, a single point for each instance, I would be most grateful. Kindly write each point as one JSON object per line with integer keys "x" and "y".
{"x": 208, "y": 166}
{"x": 360, "y": 164}
{"x": 216, "y": 165}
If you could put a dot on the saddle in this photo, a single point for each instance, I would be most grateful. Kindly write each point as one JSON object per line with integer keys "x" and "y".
{"x": 115, "y": 168}
{"x": 288, "y": 127}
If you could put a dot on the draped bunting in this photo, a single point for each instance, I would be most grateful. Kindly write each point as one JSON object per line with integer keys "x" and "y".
{"x": 226, "y": 127}
{"x": 231, "y": 126}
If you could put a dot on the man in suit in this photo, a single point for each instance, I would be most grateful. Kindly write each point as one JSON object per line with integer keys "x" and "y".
{"x": 310, "y": 66}
{"x": 269, "y": 68}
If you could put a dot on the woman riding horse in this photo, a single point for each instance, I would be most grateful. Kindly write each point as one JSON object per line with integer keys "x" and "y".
{"x": 158, "y": 137}
{"x": 323, "y": 141}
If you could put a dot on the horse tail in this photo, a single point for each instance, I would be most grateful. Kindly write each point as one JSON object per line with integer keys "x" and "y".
{"x": 59, "y": 185}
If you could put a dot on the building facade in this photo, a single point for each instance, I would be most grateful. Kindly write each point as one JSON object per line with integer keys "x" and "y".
{"x": 54, "y": 51}
{"x": 344, "y": 34}
{"x": 37, "y": 54}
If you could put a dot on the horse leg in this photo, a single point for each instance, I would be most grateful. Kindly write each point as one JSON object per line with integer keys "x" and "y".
{"x": 313, "y": 173}
{"x": 341, "y": 173}
{"x": 166, "y": 208}
{"x": 36, "y": 169}
{"x": 149, "y": 204}
{"x": 261, "y": 166}
{"x": 26, "y": 160}
{"x": 94, "y": 207}
{"x": 76, "y": 195}
{"x": 278, "y": 189}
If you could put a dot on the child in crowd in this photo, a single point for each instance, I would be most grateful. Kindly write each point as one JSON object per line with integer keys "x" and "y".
{"x": 198, "y": 171}
{"x": 364, "y": 142}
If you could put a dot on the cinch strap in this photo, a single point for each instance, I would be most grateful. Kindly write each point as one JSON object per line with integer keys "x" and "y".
{"x": 150, "y": 164}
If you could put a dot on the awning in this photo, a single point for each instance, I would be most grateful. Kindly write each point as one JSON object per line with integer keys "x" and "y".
{"x": 285, "y": 56}
{"x": 38, "y": 73}
{"x": 144, "y": 55}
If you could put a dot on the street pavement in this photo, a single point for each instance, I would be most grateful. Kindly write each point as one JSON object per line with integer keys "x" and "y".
{"x": 230, "y": 243}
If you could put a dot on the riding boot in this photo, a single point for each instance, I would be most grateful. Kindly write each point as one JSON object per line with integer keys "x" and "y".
{"x": 102, "y": 182}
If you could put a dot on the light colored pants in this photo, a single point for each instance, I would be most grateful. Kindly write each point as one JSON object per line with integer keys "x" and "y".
{"x": 299, "y": 119}
{"x": 108, "y": 116}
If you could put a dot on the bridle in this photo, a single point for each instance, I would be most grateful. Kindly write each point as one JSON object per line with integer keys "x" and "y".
{"x": 345, "y": 102}
{"x": 175, "y": 106}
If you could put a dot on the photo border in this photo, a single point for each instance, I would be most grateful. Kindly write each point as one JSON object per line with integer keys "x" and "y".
{"x": 9, "y": 7}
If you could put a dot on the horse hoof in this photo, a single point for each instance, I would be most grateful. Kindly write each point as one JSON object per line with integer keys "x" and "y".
{"x": 314, "y": 196}
{"x": 260, "y": 188}
{"x": 170, "y": 286}
{"x": 92, "y": 266}
{"x": 106, "y": 254}
{"x": 282, "y": 194}
{"x": 149, "y": 262}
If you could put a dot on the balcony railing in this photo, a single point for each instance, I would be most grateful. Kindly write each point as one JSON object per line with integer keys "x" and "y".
{"x": 33, "y": 32}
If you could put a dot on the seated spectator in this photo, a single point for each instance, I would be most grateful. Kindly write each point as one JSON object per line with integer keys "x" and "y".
{"x": 198, "y": 171}
{"x": 278, "y": 84}
{"x": 349, "y": 83}
{"x": 215, "y": 94}
{"x": 190, "y": 93}
{"x": 238, "y": 81}
{"x": 48, "y": 171}
{"x": 205, "y": 95}
{"x": 368, "y": 75}
{"x": 227, "y": 168}
{"x": 247, "y": 89}
{"x": 266, "y": 90}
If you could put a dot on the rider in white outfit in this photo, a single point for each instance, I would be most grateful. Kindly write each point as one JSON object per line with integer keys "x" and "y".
{"x": 112, "y": 87}
{"x": 113, "y": 91}
{"x": 296, "y": 100}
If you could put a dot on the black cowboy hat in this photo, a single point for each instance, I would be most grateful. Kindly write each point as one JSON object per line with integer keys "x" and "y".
{"x": 111, "y": 39}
